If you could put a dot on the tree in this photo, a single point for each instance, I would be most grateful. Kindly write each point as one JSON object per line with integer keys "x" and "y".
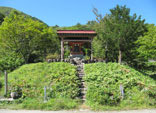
{"x": 1, "y": 18}
{"x": 118, "y": 31}
{"x": 27, "y": 37}
{"x": 147, "y": 43}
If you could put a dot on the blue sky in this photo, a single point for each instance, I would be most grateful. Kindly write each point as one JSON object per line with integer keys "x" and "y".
{"x": 70, "y": 12}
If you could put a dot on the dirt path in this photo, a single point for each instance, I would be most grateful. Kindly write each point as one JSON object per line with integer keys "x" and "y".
{"x": 78, "y": 111}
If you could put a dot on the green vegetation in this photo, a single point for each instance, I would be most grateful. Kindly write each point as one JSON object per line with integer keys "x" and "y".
{"x": 59, "y": 78}
{"x": 24, "y": 40}
{"x": 1, "y": 18}
{"x": 38, "y": 104}
{"x": 7, "y": 10}
{"x": 104, "y": 80}
{"x": 150, "y": 70}
{"x": 147, "y": 43}
{"x": 1, "y": 84}
{"x": 118, "y": 38}
{"x": 121, "y": 37}
{"x": 117, "y": 33}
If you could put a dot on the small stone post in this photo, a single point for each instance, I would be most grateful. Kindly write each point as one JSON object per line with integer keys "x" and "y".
{"x": 45, "y": 95}
{"x": 122, "y": 91}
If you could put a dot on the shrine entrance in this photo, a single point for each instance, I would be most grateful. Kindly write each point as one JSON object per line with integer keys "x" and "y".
{"x": 76, "y": 40}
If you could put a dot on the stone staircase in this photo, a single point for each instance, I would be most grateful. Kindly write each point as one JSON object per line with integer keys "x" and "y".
{"x": 80, "y": 74}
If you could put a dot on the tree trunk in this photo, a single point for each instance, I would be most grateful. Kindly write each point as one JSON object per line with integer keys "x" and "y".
{"x": 120, "y": 57}
{"x": 106, "y": 53}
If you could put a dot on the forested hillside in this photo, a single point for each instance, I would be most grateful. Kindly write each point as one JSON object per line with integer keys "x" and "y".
{"x": 7, "y": 10}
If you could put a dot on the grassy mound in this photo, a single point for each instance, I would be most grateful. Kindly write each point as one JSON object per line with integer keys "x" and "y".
{"x": 59, "y": 78}
{"x": 104, "y": 81}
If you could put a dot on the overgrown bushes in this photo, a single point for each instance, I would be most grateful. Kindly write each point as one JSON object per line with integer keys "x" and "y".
{"x": 60, "y": 79}
{"x": 104, "y": 80}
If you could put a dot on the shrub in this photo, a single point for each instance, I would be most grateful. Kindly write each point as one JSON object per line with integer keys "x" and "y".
{"x": 60, "y": 79}
{"x": 104, "y": 80}
{"x": 52, "y": 56}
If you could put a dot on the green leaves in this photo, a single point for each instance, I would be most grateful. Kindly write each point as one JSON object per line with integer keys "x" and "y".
{"x": 10, "y": 61}
{"x": 27, "y": 37}
{"x": 60, "y": 78}
{"x": 104, "y": 80}
{"x": 147, "y": 43}
{"x": 117, "y": 33}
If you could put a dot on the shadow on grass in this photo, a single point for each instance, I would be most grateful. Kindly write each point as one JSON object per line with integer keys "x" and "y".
{"x": 149, "y": 70}
{"x": 153, "y": 76}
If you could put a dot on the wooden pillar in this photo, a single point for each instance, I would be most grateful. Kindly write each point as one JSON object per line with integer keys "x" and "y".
{"x": 62, "y": 49}
{"x": 91, "y": 48}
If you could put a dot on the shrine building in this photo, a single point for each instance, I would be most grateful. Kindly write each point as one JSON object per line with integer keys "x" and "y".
{"x": 76, "y": 39}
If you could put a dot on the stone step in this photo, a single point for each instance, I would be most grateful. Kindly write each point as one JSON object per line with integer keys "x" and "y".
{"x": 83, "y": 97}
{"x": 83, "y": 92}
{"x": 80, "y": 73}
{"x": 83, "y": 89}
{"x": 82, "y": 84}
{"x": 81, "y": 77}
{"x": 80, "y": 66}
{"x": 79, "y": 69}
{"x": 82, "y": 80}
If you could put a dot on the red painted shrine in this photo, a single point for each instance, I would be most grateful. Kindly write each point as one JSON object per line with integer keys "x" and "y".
{"x": 76, "y": 39}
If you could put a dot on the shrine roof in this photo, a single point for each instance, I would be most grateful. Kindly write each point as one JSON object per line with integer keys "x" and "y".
{"x": 76, "y": 32}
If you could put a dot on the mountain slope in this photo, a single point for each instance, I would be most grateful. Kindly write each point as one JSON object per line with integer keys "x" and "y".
{"x": 7, "y": 10}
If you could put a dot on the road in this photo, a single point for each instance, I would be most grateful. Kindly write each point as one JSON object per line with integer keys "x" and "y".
{"x": 78, "y": 111}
